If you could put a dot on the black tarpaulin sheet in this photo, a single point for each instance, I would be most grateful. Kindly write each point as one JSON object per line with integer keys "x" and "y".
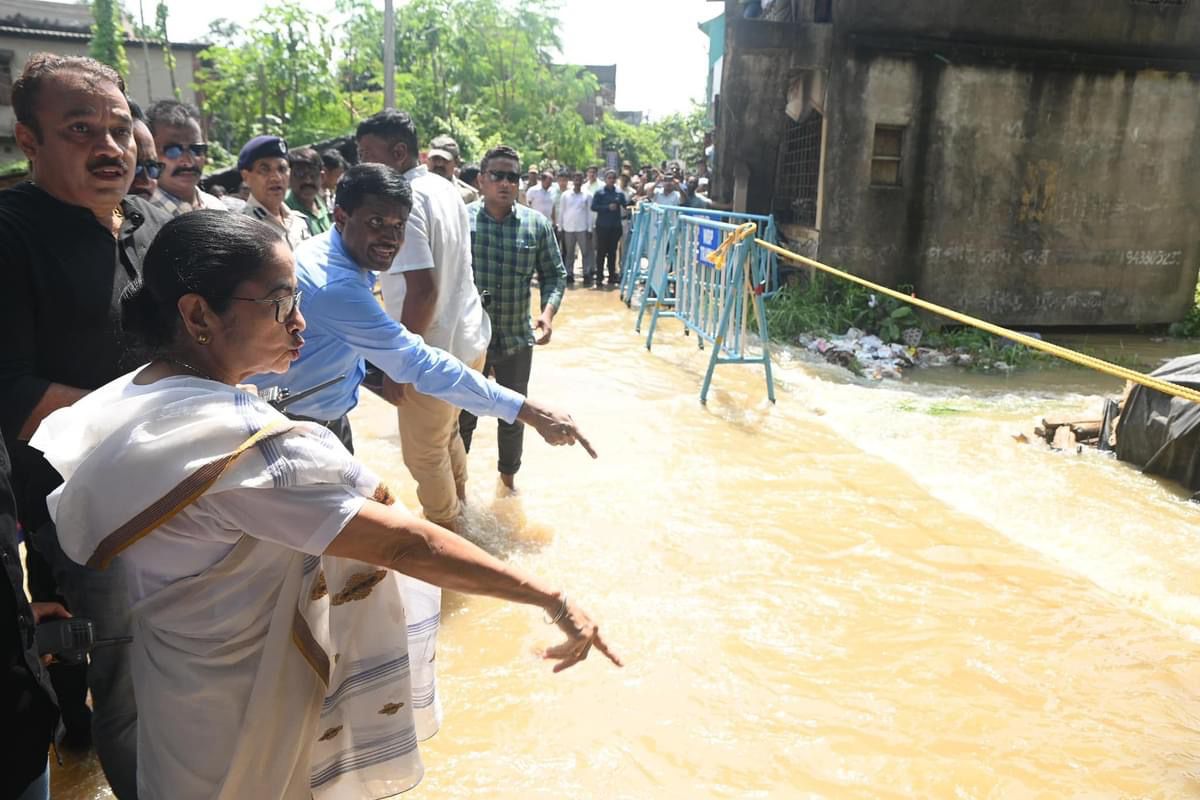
{"x": 1161, "y": 434}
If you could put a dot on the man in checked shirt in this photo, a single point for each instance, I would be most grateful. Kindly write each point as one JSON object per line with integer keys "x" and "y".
{"x": 510, "y": 244}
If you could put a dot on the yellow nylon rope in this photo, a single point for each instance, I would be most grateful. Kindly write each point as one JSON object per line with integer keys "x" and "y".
{"x": 744, "y": 231}
{"x": 1166, "y": 387}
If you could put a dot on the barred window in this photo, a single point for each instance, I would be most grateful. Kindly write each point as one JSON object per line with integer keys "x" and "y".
{"x": 796, "y": 195}
{"x": 885, "y": 155}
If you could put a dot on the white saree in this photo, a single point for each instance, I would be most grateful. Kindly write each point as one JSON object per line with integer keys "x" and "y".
{"x": 270, "y": 674}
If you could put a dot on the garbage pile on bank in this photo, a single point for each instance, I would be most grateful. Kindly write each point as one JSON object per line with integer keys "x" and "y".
{"x": 868, "y": 355}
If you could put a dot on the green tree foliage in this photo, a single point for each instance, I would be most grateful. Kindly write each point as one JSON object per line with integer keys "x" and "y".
{"x": 160, "y": 21}
{"x": 479, "y": 70}
{"x": 273, "y": 77}
{"x": 685, "y": 130}
{"x": 638, "y": 144}
{"x": 108, "y": 35}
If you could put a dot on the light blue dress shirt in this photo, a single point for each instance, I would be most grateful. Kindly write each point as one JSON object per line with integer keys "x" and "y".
{"x": 346, "y": 325}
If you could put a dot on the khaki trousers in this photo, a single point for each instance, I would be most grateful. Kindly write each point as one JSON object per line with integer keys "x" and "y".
{"x": 434, "y": 452}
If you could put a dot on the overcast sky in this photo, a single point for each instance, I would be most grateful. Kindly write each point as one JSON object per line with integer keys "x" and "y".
{"x": 660, "y": 54}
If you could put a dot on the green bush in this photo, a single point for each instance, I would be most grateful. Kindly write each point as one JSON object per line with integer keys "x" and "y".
{"x": 1189, "y": 326}
{"x": 821, "y": 305}
{"x": 824, "y": 306}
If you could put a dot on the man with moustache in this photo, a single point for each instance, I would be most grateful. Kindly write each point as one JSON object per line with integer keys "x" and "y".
{"x": 304, "y": 196}
{"x": 145, "y": 175}
{"x": 264, "y": 166}
{"x": 73, "y": 241}
{"x": 346, "y": 325}
{"x": 430, "y": 290}
{"x": 180, "y": 143}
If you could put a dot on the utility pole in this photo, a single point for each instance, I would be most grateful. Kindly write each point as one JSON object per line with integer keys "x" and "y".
{"x": 389, "y": 54}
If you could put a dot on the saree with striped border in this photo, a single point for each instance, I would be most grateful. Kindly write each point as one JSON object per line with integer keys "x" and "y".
{"x": 272, "y": 674}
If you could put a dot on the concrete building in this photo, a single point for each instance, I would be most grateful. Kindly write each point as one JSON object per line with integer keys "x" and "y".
{"x": 1030, "y": 162}
{"x": 35, "y": 26}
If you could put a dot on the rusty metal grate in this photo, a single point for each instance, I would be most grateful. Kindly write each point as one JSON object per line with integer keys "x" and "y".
{"x": 800, "y": 172}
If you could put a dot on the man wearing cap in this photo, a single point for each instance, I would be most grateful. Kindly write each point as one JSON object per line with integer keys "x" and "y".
{"x": 264, "y": 166}
{"x": 444, "y": 159}
{"x": 181, "y": 146}
{"x": 304, "y": 197}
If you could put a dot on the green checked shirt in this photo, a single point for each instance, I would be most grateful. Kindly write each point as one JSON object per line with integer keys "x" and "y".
{"x": 506, "y": 255}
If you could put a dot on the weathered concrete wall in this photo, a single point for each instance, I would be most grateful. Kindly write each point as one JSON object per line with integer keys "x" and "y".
{"x": 1030, "y": 194}
{"x": 762, "y": 60}
{"x": 135, "y": 82}
{"x": 1152, "y": 27}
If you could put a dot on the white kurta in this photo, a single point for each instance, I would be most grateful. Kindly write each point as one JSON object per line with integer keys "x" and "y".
{"x": 271, "y": 673}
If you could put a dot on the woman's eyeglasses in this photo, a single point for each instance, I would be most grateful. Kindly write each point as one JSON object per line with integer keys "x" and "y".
{"x": 497, "y": 176}
{"x": 284, "y": 306}
{"x": 151, "y": 169}
{"x": 173, "y": 151}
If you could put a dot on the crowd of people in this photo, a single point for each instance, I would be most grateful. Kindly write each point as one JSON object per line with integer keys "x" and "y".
{"x": 271, "y": 613}
{"x": 592, "y": 216}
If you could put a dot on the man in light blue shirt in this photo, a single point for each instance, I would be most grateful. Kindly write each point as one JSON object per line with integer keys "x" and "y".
{"x": 346, "y": 324}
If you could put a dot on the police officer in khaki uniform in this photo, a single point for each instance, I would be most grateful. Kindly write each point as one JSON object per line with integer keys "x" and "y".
{"x": 264, "y": 167}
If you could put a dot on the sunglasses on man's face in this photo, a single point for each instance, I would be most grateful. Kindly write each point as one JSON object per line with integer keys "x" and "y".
{"x": 173, "y": 151}
{"x": 497, "y": 176}
{"x": 151, "y": 169}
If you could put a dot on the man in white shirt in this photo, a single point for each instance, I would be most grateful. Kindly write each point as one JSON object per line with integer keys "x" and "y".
{"x": 667, "y": 193}
{"x": 430, "y": 290}
{"x": 562, "y": 187}
{"x": 541, "y": 197}
{"x": 592, "y": 185}
{"x": 577, "y": 216}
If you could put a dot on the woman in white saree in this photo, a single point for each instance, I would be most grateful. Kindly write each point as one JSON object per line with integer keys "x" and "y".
{"x": 269, "y": 654}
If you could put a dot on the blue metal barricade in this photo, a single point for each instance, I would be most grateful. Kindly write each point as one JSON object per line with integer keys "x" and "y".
{"x": 645, "y": 232}
{"x": 633, "y": 268}
{"x": 713, "y": 293}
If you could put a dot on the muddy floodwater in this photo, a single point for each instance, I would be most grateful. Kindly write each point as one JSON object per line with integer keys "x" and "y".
{"x": 863, "y": 591}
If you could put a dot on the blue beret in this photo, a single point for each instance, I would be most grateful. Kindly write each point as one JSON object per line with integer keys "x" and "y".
{"x": 261, "y": 147}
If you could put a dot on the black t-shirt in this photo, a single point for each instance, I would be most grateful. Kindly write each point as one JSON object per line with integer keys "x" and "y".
{"x": 61, "y": 278}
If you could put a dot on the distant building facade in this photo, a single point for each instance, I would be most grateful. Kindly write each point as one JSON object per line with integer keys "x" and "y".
{"x": 35, "y": 26}
{"x": 1029, "y": 162}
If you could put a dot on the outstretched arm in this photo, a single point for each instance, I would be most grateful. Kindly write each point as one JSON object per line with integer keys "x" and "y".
{"x": 391, "y": 537}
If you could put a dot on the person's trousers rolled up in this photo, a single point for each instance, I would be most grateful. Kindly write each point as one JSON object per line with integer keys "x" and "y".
{"x": 435, "y": 453}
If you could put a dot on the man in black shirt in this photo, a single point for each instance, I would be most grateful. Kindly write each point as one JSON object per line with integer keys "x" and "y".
{"x": 70, "y": 242}
{"x": 608, "y": 203}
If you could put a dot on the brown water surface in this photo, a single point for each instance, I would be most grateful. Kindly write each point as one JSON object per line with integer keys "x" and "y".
{"x": 863, "y": 591}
